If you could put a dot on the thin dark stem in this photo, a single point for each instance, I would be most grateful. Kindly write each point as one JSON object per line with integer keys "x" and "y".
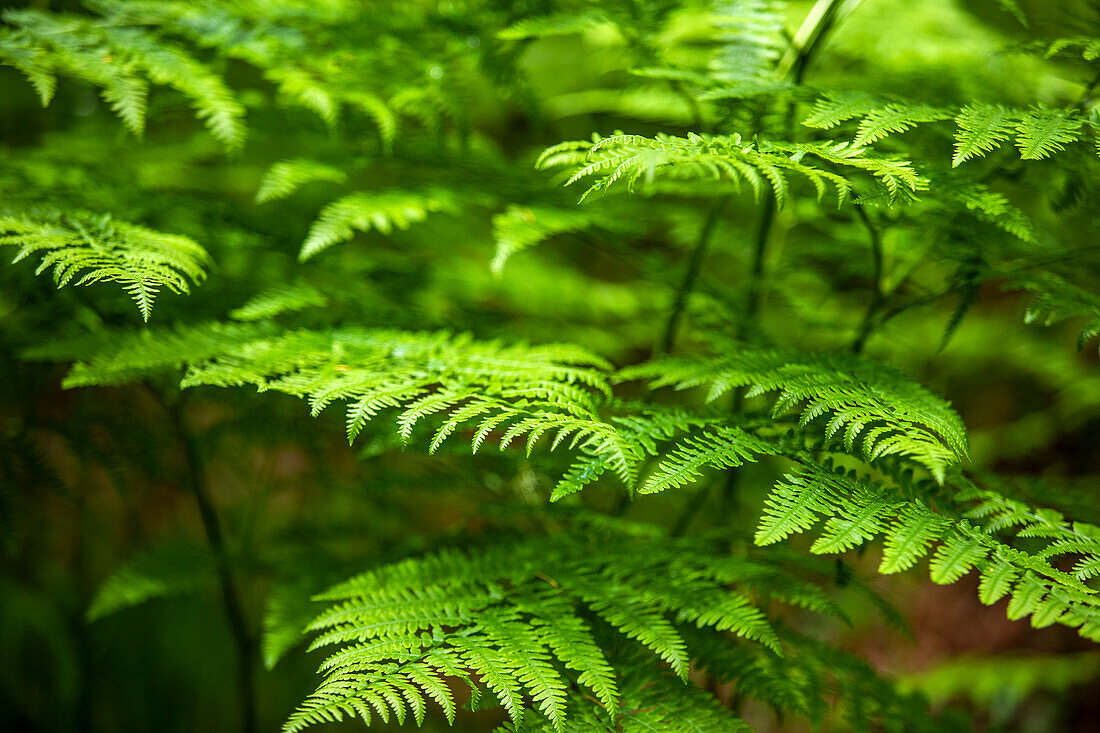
{"x": 698, "y": 254}
{"x": 878, "y": 298}
{"x": 231, "y": 599}
{"x": 693, "y": 507}
{"x": 1086, "y": 94}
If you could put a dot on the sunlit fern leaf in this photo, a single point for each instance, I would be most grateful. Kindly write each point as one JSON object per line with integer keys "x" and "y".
{"x": 887, "y": 411}
{"x": 878, "y": 118}
{"x": 504, "y": 391}
{"x": 514, "y": 619}
{"x": 382, "y": 212}
{"x": 83, "y": 248}
{"x": 637, "y": 162}
{"x": 721, "y": 447}
{"x": 1041, "y": 132}
{"x": 981, "y": 128}
{"x": 285, "y": 177}
{"x": 166, "y": 570}
{"x": 856, "y": 510}
{"x": 549, "y": 26}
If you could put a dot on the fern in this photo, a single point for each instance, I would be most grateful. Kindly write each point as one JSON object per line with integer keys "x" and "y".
{"x": 382, "y": 212}
{"x": 508, "y": 619}
{"x": 877, "y": 406}
{"x": 633, "y": 158}
{"x": 84, "y": 248}
{"x": 286, "y": 177}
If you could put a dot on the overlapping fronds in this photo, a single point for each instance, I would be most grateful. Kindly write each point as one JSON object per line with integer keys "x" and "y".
{"x": 857, "y": 510}
{"x": 82, "y": 249}
{"x": 867, "y": 404}
{"x": 878, "y": 118}
{"x": 121, "y": 61}
{"x": 638, "y": 161}
{"x": 383, "y": 212}
{"x": 528, "y": 622}
{"x": 1038, "y": 132}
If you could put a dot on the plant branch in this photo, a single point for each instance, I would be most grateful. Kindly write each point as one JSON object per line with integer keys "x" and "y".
{"x": 879, "y": 296}
{"x": 231, "y": 599}
{"x": 698, "y": 254}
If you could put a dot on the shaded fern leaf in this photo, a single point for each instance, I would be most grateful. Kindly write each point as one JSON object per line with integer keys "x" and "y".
{"x": 1057, "y": 300}
{"x": 121, "y": 61}
{"x": 167, "y": 570}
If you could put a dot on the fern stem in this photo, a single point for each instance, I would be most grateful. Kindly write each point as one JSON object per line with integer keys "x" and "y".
{"x": 878, "y": 298}
{"x": 231, "y": 598}
{"x": 698, "y": 254}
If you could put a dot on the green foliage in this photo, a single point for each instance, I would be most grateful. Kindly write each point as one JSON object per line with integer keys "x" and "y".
{"x": 83, "y": 249}
{"x": 650, "y": 361}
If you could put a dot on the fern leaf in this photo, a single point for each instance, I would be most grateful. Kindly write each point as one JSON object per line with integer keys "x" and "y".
{"x": 286, "y": 177}
{"x": 981, "y": 128}
{"x": 382, "y": 212}
{"x": 83, "y": 249}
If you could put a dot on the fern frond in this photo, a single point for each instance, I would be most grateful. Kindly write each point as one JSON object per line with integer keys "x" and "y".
{"x": 277, "y": 300}
{"x": 893, "y": 414}
{"x": 981, "y": 129}
{"x": 638, "y": 161}
{"x": 858, "y": 510}
{"x": 287, "y": 176}
{"x": 521, "y": 227}
{"x": 84, "y": 248}
{"x": 722, "y": 447}
{"x": 1057, "y": 300}
{"x": 1042, "y": 132}
{"x": 511, "y": 619}
{"x": 121, "y": 61}
{"x": 167, "y": 570}
{"x": 382, "y": 212}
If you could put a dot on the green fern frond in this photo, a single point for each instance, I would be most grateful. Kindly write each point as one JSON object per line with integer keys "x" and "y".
{"x": 879, "y": 119}
{"x": 511, "y": 619}
{"x": 382, "y": 212}
{"x": 1042, "y": 132}
{"x": 277, "y": 300}
{"x": 639, "y": 161}
{"x": 84, "y": 248}
{"x": 893, "y": 414}
{"x": 521, "y": 227}
{"x": 981, "y": 129}
{"x": 121, "y": 61}
{"x": 287, "y": 176}
{"x": 722, "y": 447}
{"x": 1057, "y": 300}
{"x": 857, "y": 510}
